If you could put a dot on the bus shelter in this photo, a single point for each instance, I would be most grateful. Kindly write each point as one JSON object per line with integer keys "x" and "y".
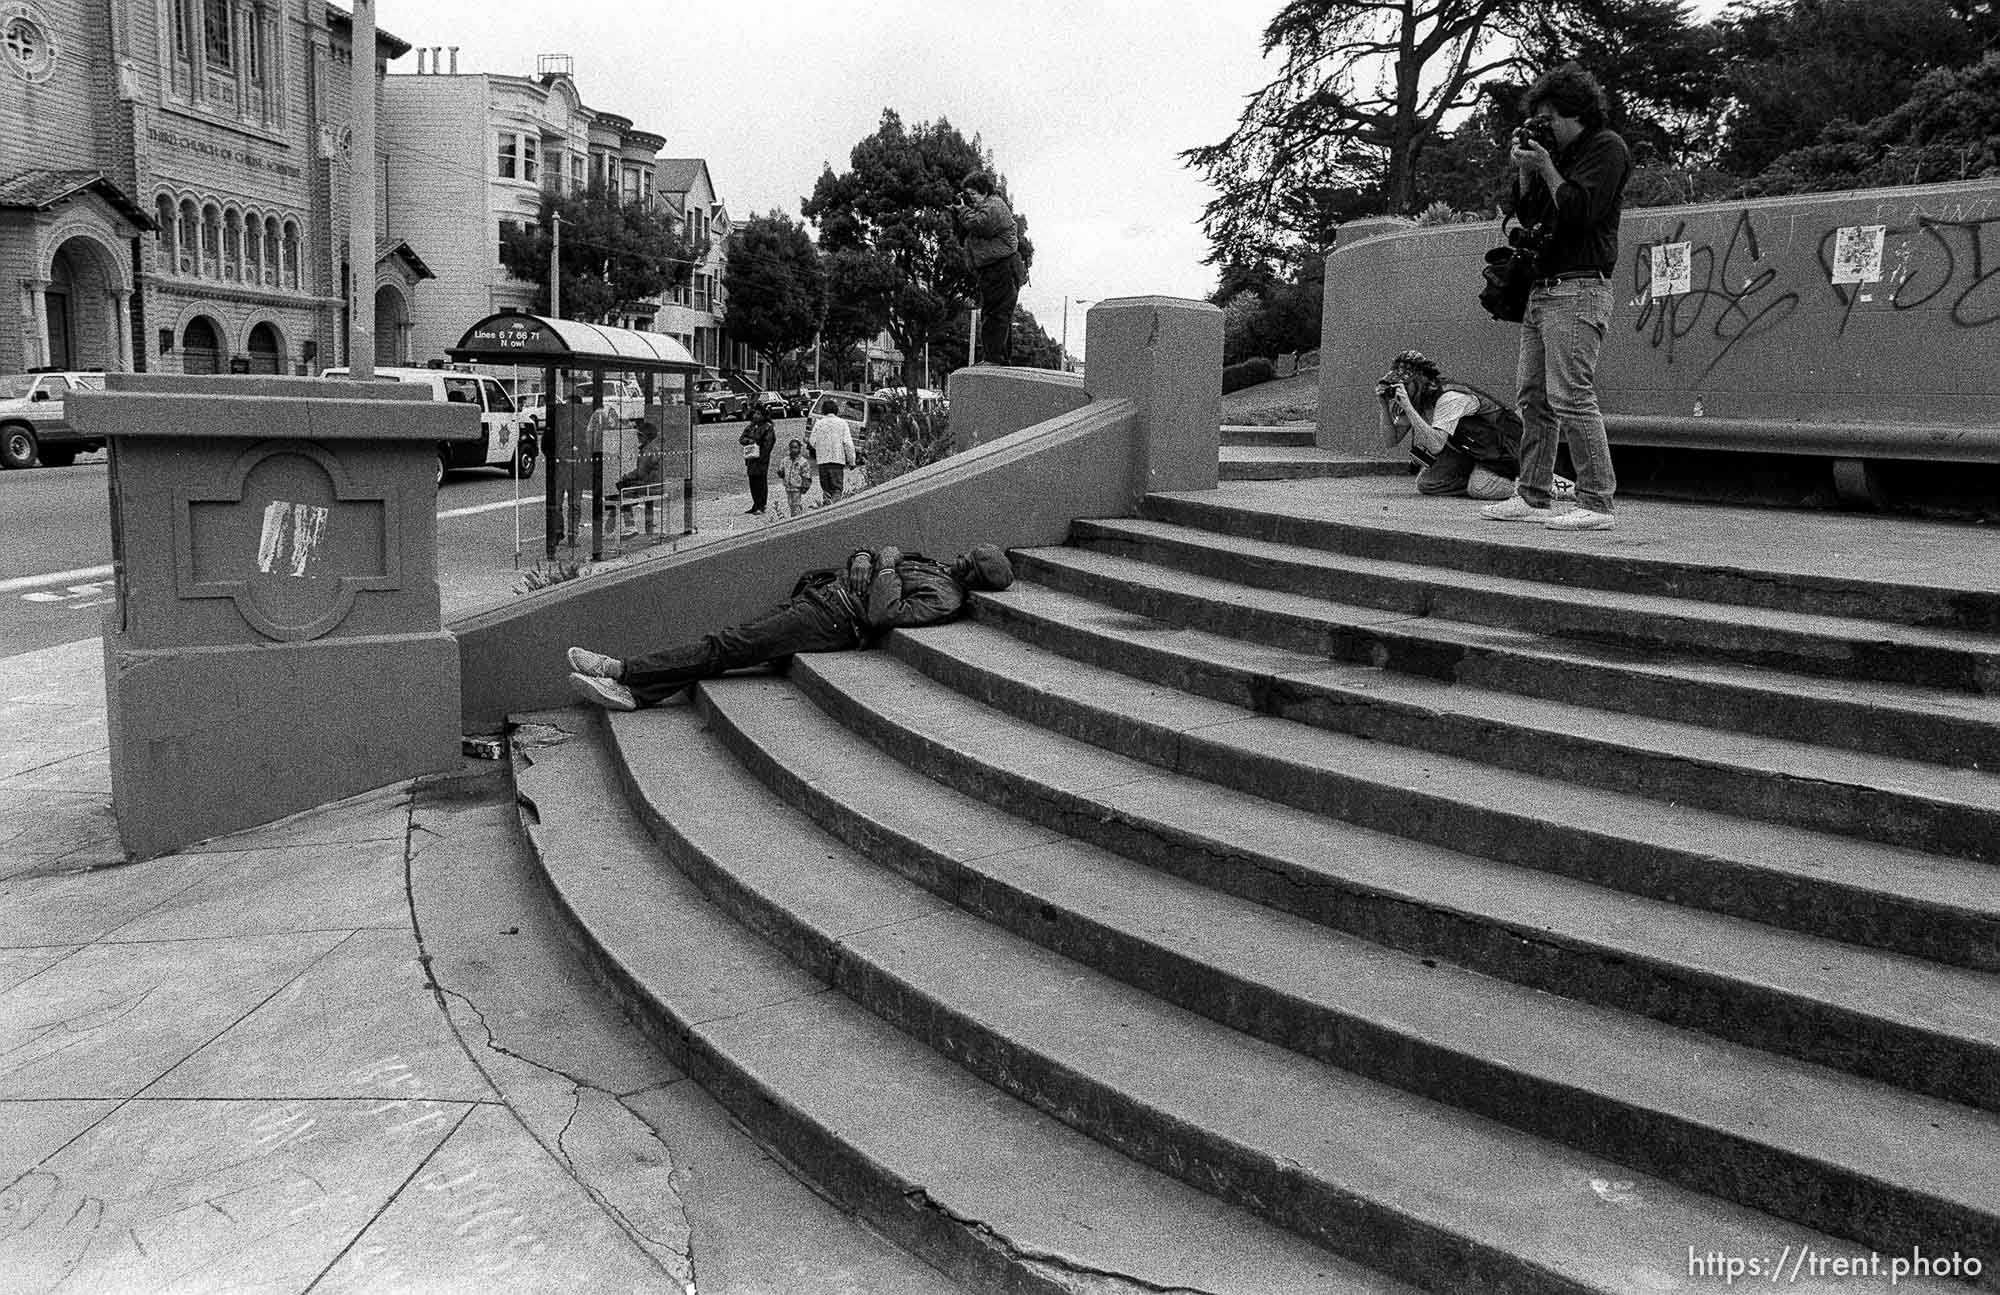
{"x": 576, "y": 358}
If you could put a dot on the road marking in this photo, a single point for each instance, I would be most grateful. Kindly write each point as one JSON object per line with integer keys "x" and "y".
{"x": 14, "y": 583}
{"x": 53, "y": 578}
{"x": 488, "y": 508}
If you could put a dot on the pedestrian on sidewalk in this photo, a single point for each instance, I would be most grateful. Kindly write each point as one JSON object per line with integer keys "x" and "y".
{"x": 759, "y": 440}
{"x": 649, "y": 474}
{"x": 830, "y": 610}
{"x": 796, "y": 473}
{"x": 833, "y": 449}
{"x": 1569, "y": 184}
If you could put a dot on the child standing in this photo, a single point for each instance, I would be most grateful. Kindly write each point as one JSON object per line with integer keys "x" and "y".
{"x": 797, "y": 474}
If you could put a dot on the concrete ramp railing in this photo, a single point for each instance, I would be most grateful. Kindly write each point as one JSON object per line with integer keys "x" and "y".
{"x": 1852, "y": 325}
{"x": 1150, "y": 420}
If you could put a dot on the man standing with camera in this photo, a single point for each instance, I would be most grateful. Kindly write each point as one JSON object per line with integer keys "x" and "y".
{"x": 1569, "y": 182}
{"x": 992, "y": 244}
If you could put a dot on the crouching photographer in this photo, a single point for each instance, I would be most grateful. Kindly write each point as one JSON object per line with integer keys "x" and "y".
{"x": 1467, "y": 441}
{"x": 1569, "y": 184}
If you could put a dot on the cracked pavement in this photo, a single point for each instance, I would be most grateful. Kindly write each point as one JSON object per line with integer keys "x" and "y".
{"x": 348, "y": 1051}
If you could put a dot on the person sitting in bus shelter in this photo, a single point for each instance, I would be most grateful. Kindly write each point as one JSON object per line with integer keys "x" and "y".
{"x": 830, "y": 610}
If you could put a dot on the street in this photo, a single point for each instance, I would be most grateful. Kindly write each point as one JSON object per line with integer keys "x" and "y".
{"x": 55, "y": 536}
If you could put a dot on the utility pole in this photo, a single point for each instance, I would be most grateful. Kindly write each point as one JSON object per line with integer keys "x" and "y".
{"x": 361, "y": 201}
{"x": 555, "y": 266}
{"x": 972, "y": 338}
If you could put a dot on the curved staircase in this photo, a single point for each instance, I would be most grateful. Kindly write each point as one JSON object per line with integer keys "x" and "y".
{"x": 1247, "y": 901}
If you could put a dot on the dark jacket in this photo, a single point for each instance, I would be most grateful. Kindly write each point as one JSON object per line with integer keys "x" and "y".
{"x": 762, "y": 433}
{"x": 1490, "y": 435}
{"x": 919, "y": 591}
{"x": 1582, "y": 214}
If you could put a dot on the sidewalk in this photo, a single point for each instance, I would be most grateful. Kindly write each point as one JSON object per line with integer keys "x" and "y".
{"x": 349, "y": 1051}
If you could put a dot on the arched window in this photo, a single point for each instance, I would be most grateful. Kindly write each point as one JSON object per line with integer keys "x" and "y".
{"x": 272, "y": 254}
{"x": 190, "y": 231}
{"x": 232, "y": 244}
{"x": 201, "y": 347}
{"x": 211, "y": 242}
{"x": 292, "y": 275}
{"x": 267, "y": 350}
{"x": 163, "y": 214}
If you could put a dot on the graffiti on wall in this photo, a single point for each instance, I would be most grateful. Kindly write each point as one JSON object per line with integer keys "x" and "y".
{"x": 1700, "y": 303}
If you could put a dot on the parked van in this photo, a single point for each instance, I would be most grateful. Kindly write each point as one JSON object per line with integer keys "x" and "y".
{"x": 504, "y": 441}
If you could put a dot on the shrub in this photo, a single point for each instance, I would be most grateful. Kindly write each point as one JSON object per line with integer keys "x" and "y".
{"x": 1247, "y": 374}
{"x": 905, "y": 443}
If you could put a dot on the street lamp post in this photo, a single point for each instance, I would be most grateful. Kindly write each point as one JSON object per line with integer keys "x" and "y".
{"x": 1081, "y": 301}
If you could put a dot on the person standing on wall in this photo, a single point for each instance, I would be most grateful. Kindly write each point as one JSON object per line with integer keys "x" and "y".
{"x": 759, "y": 440}
{"x": 992, "y": 243}
{"x": 1569, "y": 181}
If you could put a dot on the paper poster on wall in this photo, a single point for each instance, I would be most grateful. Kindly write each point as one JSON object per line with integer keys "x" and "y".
{"x": 1673, "y": 269}
{"x": 1857, "y": 254}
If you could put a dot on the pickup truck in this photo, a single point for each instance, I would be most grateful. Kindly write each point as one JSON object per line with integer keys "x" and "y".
{"x": 622, "y": 396}
{"x": 32, "y": 427}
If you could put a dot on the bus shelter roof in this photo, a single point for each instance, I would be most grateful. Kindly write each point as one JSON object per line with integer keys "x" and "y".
{"x": 537, "y": 342}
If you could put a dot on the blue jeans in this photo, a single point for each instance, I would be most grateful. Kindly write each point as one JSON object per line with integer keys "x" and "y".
{"x": 818, "y": 620}
{"x": 1557, "y": 381}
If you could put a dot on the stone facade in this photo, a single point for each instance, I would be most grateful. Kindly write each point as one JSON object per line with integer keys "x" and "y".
{"x": 175, "y": 183}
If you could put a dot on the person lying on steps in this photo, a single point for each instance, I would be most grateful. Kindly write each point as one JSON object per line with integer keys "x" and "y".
{"x": 829, "y": 610}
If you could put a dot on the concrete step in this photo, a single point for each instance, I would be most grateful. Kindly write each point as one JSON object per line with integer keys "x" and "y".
{"x": 1322, "y": 1152}
{"x": 1238, "y": 434}
{"x": 1295, "y": 463}
{"x": 1816, "y": 1146}
{"x": 992, "y": 1192}
{"x": 1899, "y": 720}
{"x": 1877, "y": 798}
{"x": 1839, "y": 647}
{"x": 1895, "y": 574}
{"x": 1295, "y": 842}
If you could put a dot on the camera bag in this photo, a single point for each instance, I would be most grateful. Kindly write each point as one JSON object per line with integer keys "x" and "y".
{"x": 1506, "y": 280}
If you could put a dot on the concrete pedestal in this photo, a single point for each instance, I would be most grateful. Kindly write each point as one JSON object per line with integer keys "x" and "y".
{"x": 276, "y": 640}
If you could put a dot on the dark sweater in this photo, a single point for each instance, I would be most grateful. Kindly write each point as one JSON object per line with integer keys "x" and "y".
{"x": 1583, "y": 212}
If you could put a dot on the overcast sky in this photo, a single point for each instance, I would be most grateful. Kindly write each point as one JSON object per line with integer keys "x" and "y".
{"x": 1084, "y": 104}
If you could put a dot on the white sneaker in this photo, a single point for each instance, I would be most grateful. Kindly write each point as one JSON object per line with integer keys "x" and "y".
{"x": 1581, "y": 519}
{"x": 1562, "y": 488}
{"x": 596, "y": 664}
{"x": 1515, "y": 509}
{"x": 602, "y": 692}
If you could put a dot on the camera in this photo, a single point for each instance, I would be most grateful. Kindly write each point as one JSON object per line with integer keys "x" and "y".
{"x": 1536, "y": 130}
{"x": 1527, "y": 238}
{"x": 1385, "y": 388}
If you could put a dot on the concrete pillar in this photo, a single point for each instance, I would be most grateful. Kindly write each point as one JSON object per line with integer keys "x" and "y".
{"x": 276, "y": 641}
{"x": 38, "y": 322}
{"x": 1165, "y": 354}
{"x": 121, "y": 322}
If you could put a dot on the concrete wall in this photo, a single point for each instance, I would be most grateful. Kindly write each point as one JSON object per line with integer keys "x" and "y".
{"x": 1761, "y": 336}
{"x": 1151, "y": 423}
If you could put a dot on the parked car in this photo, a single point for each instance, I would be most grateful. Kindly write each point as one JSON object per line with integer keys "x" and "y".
{"x": 771, "y": 403}
{"x": 32, "y": 427}
{"x": 716, "y": 401}
{"x": 504, "y": 441}
{"x": 926, "y": 402}
{"x": 797, "y": 401}
{"x": 622, "y": 396}
{"x": 862, "y": 413}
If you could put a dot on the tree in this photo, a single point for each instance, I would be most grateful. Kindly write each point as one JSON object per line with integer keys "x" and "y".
{"x": 885, "y": 229}
{"x": 1362, "y": 86}
{"x": 1794, "y": 67}
{"x": 617, "y": 258}
{"x": 1367, "y": 88}
{"x": 774, "y": 285}
{"x": 1948, "y": 129}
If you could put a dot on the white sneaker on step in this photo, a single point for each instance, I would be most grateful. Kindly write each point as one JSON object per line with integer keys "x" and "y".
{"x": 1515, "y": 509}
{"x": 602, "y": 692}
{"x": 584, "y": 661}
{"x": 1581, "y": 519}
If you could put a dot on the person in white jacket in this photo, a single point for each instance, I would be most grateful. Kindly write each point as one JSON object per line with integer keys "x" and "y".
{"x": 833, "y": 446}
